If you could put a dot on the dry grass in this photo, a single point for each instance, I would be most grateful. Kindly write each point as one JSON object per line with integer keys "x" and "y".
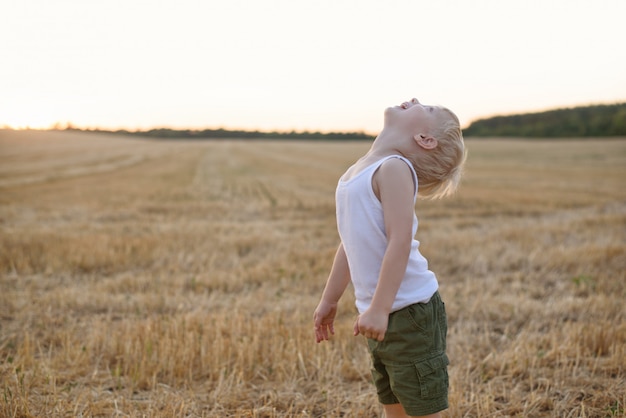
{"x": 174, "y": 279}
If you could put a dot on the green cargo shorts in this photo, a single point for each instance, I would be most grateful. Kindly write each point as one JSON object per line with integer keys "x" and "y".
{"x": 410, "y": 364}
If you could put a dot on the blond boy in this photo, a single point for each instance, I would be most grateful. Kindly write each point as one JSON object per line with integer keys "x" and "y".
{"x": 419, "y": 152}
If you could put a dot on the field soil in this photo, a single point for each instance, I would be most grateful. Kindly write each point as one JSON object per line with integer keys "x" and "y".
{"x": 153, "y": 278}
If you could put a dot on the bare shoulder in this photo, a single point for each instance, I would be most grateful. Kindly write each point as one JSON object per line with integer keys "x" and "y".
{"x": 396, "y": 166}
{"x": 393, "y": 174}
{"x": 395, "y": 171}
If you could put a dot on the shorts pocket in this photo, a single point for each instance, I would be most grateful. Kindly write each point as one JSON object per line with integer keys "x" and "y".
{"x": 419, "y": 316}
{"x": 433, "y": 376}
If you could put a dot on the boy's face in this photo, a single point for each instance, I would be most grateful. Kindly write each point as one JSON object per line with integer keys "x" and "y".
{"x": 413, "y": 115}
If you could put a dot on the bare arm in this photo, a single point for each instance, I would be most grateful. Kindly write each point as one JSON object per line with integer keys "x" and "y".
{"x": 324, "y": 316}
{"x": 393, "y": 183}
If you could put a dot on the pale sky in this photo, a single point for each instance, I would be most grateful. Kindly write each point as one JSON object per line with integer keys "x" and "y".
{"x": 322, "y": 65}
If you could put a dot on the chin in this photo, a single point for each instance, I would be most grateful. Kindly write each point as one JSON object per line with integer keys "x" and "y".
{"x": 391, "y": 111}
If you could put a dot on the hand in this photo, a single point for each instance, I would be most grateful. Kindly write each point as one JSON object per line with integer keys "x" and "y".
{"x": 372, "y": 324}
{"x": 324, "y": 320}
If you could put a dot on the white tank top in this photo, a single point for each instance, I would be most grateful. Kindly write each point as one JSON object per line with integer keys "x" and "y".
{"x": 361, "y": 228}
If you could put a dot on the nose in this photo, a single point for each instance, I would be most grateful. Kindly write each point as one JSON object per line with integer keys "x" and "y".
{"x": 410, "y": 103}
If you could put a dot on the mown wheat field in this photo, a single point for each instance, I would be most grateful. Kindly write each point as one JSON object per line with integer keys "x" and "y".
{"x": 143, "y": 278}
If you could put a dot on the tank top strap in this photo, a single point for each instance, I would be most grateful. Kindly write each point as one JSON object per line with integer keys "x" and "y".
{"x": 406, "y": 160}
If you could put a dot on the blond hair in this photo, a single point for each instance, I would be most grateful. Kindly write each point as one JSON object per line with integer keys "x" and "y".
{"x": 439, "y": 170}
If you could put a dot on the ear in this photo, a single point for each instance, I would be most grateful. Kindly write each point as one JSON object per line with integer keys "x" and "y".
{"x": 425, "y": 141}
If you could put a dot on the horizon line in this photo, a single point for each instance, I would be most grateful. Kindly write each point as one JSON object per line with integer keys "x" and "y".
{"x": 68, "y": 125}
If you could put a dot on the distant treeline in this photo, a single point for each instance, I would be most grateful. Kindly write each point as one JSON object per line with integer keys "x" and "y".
{"x": 587, "y": 121}
{"x": 166, "y": 133}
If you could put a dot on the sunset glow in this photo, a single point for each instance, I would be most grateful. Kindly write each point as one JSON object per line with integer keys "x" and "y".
{"x": 285, "y": 65}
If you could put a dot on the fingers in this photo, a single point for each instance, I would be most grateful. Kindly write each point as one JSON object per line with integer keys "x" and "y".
{"x": 322, "y": 332}
{"x": 373, "y": 335}
{"x": 323, "y": 322}
{"x": 367, "y": 332}
{"x": 317, "y": 319}
{"x": 319, "y": 337}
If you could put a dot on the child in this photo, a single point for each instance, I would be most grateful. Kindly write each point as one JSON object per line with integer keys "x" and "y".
{"x": 420, "y": 151}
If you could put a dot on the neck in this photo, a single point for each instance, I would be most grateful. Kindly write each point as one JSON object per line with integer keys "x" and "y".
{"x": 389, "y": 142}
